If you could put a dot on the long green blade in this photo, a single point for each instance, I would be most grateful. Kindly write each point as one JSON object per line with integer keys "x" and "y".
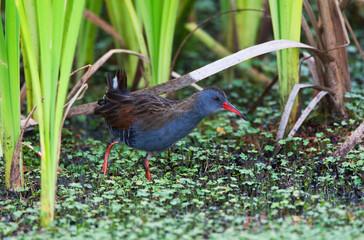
{"x": 286, "y": 19}
{"x": 57, "y": 27}
{"x": 9, "y": 90}
{"x": 159, "y": 18}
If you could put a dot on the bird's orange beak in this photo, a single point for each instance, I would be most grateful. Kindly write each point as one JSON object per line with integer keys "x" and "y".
{"x": 226, "y": 105}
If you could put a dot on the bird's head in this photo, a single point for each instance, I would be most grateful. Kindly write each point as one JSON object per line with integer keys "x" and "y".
{"x": 213, "y": 99}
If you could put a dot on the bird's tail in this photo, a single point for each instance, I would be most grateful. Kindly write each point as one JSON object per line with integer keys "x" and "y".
{"x": 118, "y": 83}
{"x": 116, "y": 91}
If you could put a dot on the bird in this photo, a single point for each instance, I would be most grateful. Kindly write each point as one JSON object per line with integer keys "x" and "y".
{"x": 150, "y": 122}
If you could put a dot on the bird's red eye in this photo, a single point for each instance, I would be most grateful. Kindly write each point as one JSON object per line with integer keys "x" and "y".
{"x": 216, "y": 98}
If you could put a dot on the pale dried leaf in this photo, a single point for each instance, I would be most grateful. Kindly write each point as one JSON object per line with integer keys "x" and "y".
{"x": 307, "y": 111}
{"x": 354, "y": 139}
{"x": 288, "y": 108}
{"x": 209, "y": 69}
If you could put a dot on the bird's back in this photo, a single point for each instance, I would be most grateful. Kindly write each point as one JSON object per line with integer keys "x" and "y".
{"x": 141, "y": 120}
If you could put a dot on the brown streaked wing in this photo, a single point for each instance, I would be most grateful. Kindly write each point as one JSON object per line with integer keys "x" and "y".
{"x": 148, "y": 111}
{"x": 152, "y": 112}
{"x": 117, "y": 110}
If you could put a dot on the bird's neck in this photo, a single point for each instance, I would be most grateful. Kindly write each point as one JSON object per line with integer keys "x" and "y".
{"x": 189, "y": 109}
{"x": 200, "y": 109}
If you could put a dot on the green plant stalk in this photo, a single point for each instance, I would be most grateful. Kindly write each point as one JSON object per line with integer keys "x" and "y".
{"x": 159, "y": 18}
{"x": 58, "y": 26}
{"x": 137, "y": 28}
{"x": 9, "y": 91}
{"x": 184, "y": 11}
{"x": 227, "y": 26}
{"x": 248, "y": 22}
{"x": 240, "y": 29}
{"x": 220, "y": 50}
{"x": 120, "y": 19}
{"x": 145, "y": 10}
{"x": 2, "y": 78}
{"x": 286, "y": 19}
{"x": 29, "y": 88}
{"x": 31, "y": 19}
{"x": 87, "y": 36}
{"x": 209, "y": 41}
{"x": 30, "y": 52}
{"x": 68, "y": 49}
{"x": 228, "y": 35}
{"x": 66, "y": 59}
{"x": 166, "y": 40}
{"x": 115, "y": 12}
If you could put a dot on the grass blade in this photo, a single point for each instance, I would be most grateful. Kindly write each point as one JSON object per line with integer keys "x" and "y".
{"x": 121, "y": 23}
{"x": 87, "y": 36}
{"x": 9, "y": 94}
{"x": 58, "y": 25}
{"x": 286, "y": 19}
{"x": 159, "y": 18}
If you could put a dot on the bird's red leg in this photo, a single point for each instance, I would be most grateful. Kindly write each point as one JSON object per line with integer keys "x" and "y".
{"x": 146, "y": 167}
{"x": 107, "y": 153}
